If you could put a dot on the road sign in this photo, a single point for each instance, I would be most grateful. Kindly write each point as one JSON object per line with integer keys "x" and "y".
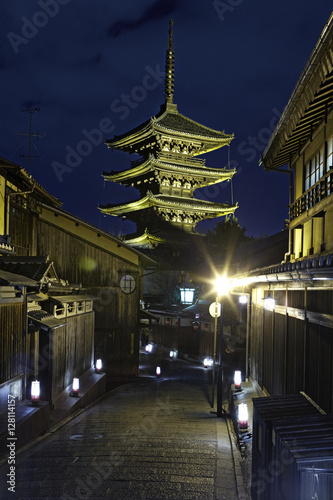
{"x": 215, "y": 309}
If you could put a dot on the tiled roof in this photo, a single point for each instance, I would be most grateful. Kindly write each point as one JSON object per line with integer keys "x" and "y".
{"x": 180, "y": 123}
{"x": 43, "y": 318}
{"x": 34, "y": 268}
{"x": 309, "y": 105}
{"x": 19, "y": 176}
{"x": 165, "y": 165}
{"x": 171, "y": 121}
{"x": 9, "y": 278}
{"x": 167, "y": 201}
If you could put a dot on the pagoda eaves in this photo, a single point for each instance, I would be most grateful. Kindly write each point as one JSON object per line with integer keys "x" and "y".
{"x": 191, "y": 171}
{"x": 201, "y": 208}
{"x": 170, "y": 131}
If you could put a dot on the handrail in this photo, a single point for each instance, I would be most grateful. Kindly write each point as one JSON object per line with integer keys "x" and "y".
{"x": 315, "y": 194}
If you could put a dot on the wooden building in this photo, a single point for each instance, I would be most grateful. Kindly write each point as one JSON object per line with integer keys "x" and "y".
{"x": 93, "y": 268}
{"x": 43, "y": 342}
{"x": 291, "y": 338}
{"x": 13, "y": 321}
{"x": 168, "y": 172}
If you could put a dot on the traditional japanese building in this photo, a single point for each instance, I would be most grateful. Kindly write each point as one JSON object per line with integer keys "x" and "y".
{"x": 168, "y": 172}
{"x": 291, "y": 299}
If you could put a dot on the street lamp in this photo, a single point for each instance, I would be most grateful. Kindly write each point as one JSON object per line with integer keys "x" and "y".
{"x": 244, "y": 298}
{"x": 187, "y": 291}
{"x": 222, "y": 285}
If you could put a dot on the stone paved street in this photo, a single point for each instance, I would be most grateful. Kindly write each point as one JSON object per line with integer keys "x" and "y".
{"x": 155, "y": 438}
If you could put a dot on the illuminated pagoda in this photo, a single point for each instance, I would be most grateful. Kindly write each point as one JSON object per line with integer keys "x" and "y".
{"x": 168, "y": 172}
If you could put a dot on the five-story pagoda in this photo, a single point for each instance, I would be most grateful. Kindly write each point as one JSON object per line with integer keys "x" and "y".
{"x": 168, "y": 172}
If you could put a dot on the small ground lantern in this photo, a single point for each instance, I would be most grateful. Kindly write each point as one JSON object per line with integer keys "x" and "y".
{"x": 158, "y": 371}
{"x": 35, "y": 392}
{"x": 243, "y": 417}
{"x": 75, "y": 387}
{"x": 208, "y": 362}
{"x": 98, "y": 366}
{"x": 238, "y": 380}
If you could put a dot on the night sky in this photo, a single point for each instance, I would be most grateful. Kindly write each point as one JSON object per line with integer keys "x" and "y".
{"x": 95, "y": 70}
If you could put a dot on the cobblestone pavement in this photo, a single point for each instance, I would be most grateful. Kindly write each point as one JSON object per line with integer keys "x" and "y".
{"x": 155, "y": 438}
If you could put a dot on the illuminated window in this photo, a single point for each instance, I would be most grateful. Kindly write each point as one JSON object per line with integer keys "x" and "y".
{"x": 329, "y": 156}
{"x": 314, "y": 170}
{"x": 187, "y": 295}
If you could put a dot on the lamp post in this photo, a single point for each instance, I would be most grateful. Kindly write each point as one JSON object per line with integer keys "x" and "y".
{"x": 244, "y": 298}
{"x": 216, "y": 309}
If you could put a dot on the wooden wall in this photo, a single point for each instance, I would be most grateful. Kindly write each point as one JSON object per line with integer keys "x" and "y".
{"x": 83, "y": 262}
{"x": 116, "y": 313}
{"x": 64, "y": 353}
{"x": 12, "y": 330}
{"x": 292, "y": 347}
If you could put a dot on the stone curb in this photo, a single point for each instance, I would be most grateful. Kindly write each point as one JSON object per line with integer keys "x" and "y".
{"x": 242, "y": 495}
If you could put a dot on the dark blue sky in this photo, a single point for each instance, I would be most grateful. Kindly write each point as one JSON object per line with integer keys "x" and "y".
{"x": 95, "y": 69}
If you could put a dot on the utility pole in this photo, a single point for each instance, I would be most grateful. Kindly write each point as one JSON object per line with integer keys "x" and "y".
{"x": 30, "y": 134}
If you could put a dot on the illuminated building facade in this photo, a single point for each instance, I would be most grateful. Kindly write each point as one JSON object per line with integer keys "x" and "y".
{"x": 168, "y": 172}
{"x": 291, "y": 336}
{"x": 303, "y": 140}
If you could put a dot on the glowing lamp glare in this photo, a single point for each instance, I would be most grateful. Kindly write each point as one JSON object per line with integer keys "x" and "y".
{"x": 35, "y": 391}
{"x": 158, "y": 371}
{"x": 243, "y": 416}
{"x": 243, "y": 299}
{"x": 76, "y": 386}
{"x": 238, "y": 379}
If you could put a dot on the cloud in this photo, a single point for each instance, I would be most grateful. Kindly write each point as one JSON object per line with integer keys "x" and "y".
{"x": 158, "y": 10}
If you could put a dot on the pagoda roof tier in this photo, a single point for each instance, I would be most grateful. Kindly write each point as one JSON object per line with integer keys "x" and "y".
{"x": 152, "y": 165}
{"x": 168, "y": 127}
{"x": 203, "y": 209}
{"x": 147, "y": 239}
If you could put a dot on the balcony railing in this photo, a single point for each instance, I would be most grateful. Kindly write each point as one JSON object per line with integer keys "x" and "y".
{"x": 180, "y": 158}
{"x": 172, "y": 158}
{"x": 317, "y": 193}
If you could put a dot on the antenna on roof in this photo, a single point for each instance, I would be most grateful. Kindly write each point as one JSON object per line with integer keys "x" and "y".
{"x": 169, "y": 68}
{"x": 30, "y": 134}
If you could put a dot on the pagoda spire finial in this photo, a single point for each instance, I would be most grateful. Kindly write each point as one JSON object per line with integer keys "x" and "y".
{"x": 169, "y": 68}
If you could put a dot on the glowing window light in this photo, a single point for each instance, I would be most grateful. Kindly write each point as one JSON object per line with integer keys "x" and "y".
{"x": 238, "y": 379}
{"x": 98, "y": 367}
{"x": 35, "y": 391}
{"x": 269, "y": 303}
{"x": 187, "y": 295}
{"x": 76, "y": 386}
{"x": 243, "y": 416}
{"x": 243, "y": 299}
